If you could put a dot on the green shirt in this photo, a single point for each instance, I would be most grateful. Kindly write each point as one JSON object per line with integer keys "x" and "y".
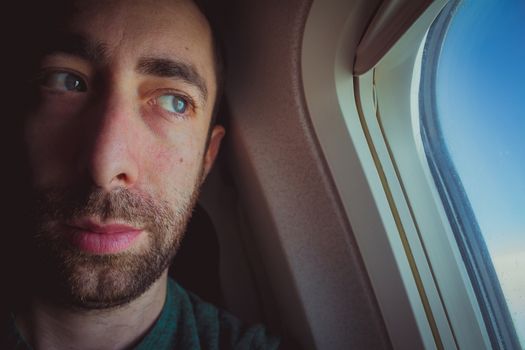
{"x": 186, "y": 323}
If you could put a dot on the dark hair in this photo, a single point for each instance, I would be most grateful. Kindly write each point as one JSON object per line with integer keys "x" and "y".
{"x": 218, "y": 57}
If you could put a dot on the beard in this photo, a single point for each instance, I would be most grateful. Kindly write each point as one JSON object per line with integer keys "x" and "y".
{"x": 78, "y": 279}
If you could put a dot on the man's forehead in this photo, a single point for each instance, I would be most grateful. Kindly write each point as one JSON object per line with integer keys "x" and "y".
{"x": 149, "y": 7}
{"x": 176, "y": 20}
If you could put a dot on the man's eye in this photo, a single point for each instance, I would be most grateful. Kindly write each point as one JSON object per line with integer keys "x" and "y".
{"x": 173, "y": 103}
{"x": 64, "y": 81}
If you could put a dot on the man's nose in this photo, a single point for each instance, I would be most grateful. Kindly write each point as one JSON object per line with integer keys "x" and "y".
{"x": 110, "y": 151}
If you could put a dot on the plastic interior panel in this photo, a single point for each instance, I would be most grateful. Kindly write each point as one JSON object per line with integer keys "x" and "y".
{"x": 308, "y": 270}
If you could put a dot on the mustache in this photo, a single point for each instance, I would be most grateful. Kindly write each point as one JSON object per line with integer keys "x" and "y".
{"x": 133, "y": 207}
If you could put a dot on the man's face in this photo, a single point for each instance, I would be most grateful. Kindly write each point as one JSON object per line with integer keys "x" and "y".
{"x": 117, "y": 144}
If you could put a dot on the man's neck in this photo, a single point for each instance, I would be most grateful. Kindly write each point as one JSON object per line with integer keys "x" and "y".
{"x": 48, "y": 326}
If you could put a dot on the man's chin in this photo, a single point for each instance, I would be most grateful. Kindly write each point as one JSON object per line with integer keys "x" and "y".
{"x": 100, "y": 285}
{"x": 96, "y": 286}
{"x": 94, "y": 282}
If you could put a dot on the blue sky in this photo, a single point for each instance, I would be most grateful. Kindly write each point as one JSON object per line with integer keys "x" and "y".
{"x": 481, "y": 106}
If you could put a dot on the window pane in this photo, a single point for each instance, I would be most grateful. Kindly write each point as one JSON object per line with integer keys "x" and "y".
{"x": 479, "y": 107}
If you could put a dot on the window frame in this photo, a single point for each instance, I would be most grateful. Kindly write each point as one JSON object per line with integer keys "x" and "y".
{"x": 373, "y": 149}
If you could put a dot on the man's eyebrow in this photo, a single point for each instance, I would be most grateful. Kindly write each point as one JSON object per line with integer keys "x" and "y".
{"x": 78, "y": 45}
{"x": 168, "y": 68}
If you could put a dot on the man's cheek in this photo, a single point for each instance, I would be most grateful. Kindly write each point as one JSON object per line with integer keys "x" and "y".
{"x": 173, "y": 170}
{"x": 57, "y": 111}
{"x": 182, "y": 151}
{"x": 166, "y": 166}
{"x": 42, "y": 152}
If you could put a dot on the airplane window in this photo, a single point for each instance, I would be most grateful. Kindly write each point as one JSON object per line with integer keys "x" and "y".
{"x": 475, "y": 143}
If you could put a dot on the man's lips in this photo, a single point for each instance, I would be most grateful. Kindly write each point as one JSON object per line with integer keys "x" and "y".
{"x": 95, "y": 238}
{"x": 103, "y": 229}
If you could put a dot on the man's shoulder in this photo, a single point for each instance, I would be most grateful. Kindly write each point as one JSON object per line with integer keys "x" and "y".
{"x": 220, "y": 329}
{"x": 188, "y": 322}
